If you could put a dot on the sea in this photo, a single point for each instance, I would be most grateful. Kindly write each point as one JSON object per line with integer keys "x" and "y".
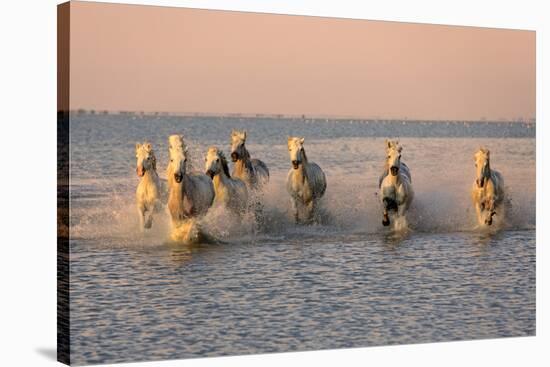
{"x": 345, "y": 281}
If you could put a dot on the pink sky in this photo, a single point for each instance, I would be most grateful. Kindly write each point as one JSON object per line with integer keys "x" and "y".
{"x": 145, "y": 58}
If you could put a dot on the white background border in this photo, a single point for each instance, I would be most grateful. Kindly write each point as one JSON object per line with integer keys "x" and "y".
{"x": 28, "y": 181}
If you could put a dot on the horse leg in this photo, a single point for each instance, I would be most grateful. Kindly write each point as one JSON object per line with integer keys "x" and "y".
{"x": 400, "y": 222}
{"x": 141, "y": 213}
{"x": 294, "y": 204}
{"x": 386, "y": 219}
{"x": 478, "y": 213}
{"x": 401, "y": 210}
{"x": 311, "y": 207}
{"x": 149, "y": 219}
{"x": 491, "y": 208}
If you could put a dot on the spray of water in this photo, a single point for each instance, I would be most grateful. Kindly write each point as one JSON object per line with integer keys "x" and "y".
{"x": 351, "y": 204}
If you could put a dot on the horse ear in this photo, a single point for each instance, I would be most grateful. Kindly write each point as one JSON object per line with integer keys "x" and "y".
{"x": 138, "y": 145}
{"x": 244, "y": 135}
{"x": 388, "y": 143}
{"x": 148, "y": 147}
{"x": 302, "y": 140}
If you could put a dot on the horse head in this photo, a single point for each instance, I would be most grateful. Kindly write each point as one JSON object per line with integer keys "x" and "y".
{"x": 238, "y": 151}
{"x": 216, "y": 163}
{"x": 483, "y": 169}
{"x": 145, "y": 158}
{"x": 296, "y": 151}
{"x": 393, "y": 156}
{"x": 178, "y": 157}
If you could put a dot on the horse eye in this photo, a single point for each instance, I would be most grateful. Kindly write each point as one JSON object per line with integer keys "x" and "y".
{"x": 217, "y": 159}
{"x": 171, "y": 160}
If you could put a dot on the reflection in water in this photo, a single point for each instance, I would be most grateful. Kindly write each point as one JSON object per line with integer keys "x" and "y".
{"x": 181, "y": 254}
{"x": 488, "y": 236}
{"x": 394, "y": 238}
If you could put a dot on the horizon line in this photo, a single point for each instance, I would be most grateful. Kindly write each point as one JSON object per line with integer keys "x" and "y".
{"x": 304, "y": 116}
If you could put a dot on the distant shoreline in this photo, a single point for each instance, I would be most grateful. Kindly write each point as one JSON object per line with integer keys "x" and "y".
{"x": 82, "y": 111}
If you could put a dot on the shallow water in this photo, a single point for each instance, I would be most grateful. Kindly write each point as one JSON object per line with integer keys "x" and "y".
{"x": 347, "y": 282}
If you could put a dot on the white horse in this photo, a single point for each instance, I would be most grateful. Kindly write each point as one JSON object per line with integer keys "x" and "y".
{"x": 253, "y": 172}
{"x": 488, "y": 188}
{"x": 190, "y": 195}
{"x": 395, "y": 183}
{"x": 230, "y": 192}
{"x": 306, "y": 182}
{"x": 148, "y": 192}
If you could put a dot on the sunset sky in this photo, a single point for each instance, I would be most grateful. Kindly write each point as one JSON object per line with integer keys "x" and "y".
{"x": 145, "y": 58}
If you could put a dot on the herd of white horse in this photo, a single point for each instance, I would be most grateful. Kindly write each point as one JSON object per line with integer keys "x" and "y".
{"x": 189, "y": 195}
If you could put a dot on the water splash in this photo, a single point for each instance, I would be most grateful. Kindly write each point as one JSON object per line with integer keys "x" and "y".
{"x": 103, "y": 181}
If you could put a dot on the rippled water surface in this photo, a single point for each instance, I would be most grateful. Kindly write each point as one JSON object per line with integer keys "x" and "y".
{"x": 346, "y": 282}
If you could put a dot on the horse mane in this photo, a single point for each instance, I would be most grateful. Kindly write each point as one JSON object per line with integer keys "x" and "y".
{"x": 304, "y": 156}
{"x": 176, "y": 142}
{"x": 225, "y": 166}
{"x": 393, "y": 144}
{"x": 246, "y": 154}
{"x": 484, "y": 151}
{"x": 154, "y": 159}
